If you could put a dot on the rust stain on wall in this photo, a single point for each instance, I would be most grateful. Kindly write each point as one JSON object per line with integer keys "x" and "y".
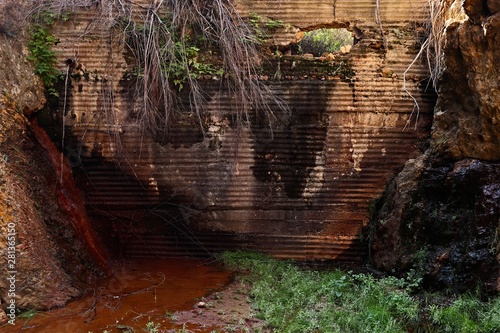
{"x": 303, "y": 193}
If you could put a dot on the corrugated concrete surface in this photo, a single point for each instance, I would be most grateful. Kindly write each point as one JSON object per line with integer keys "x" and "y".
{"x": 304, "y": 193}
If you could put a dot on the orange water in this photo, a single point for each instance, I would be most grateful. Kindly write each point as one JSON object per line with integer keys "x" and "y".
{"x": 136, "y": 293}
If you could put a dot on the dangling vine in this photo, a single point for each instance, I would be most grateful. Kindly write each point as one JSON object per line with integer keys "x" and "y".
{"x": 440, "y": 14}
{"x": 167, "y": 49}
{"x": 166, "y": 38}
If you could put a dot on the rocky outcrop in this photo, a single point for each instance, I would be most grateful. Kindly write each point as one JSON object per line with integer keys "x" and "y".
{"x": 441, "y": 215}
{"x": 43, "y": 262}
{"x": 467, "y": 114}
{"x": 440, "y": 218}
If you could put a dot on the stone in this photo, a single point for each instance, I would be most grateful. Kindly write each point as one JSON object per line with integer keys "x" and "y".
{"x": 377, "y": 46}
{"x": 345, "y": 49}
{"x": 468, "y": 106}
{"x": 493, "y": 6}
{"x": 440, "y": 218}
{"x": 475, "y": 9}
{"x": 299, "y": 35}
{"x": 386, "y": 72}
{"x": 387, "y": 249}
{"x": 3, "y": 317}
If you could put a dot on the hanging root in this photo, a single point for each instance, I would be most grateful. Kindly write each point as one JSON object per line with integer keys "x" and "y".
{"x": 163, "y": 49}
{"x": 440, "y": 14}
{"x": 379, "y": 23}
{"x": 159, "y": 37}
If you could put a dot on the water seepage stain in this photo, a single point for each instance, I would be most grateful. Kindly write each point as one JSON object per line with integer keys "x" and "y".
{"x": 69, "y": 196}
{"x": 135, "y": 294}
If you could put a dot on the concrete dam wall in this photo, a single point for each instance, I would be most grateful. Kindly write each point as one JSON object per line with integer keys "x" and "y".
{"x": 303, "y": 192}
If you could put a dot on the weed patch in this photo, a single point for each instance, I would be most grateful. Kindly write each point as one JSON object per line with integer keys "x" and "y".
{"x": 291, "y": 299}
{"x": 467, "y": 314}
{"x": 40, "y": 48}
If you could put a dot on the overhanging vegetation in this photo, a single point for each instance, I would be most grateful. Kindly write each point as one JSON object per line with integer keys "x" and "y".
{"x": 166, "y": 39}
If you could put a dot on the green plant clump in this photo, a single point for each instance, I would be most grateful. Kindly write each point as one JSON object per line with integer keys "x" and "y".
{"x": 180, "y": 56}
{"x": 291, "y": 299}
{"x": 262, "y": 27}
{"x": 468, "y": 314}
{"x": 28, "y": 314}
{"x": 177, "y": 43}
{"x": 320, "y": 41}
{"x": 152, "y": 327}
{"x": 41, "y": 53}
{"x": 186, "y": 63}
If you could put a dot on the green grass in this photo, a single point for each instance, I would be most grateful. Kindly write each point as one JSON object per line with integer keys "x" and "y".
{"x": 40, "y": 47}
{"x": 28, "y": 314}
{"x": 467, "y": 314}
{"x": 291, "y": 299}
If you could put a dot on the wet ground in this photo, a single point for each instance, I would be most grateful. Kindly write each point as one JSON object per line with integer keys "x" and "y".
{"x": 169, "y": 295}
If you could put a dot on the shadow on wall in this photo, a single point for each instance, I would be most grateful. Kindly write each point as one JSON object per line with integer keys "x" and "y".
{"x": 286, "y": 159}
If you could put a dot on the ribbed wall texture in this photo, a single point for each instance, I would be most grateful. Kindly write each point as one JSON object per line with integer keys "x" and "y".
{"x": 304, "y": 193}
